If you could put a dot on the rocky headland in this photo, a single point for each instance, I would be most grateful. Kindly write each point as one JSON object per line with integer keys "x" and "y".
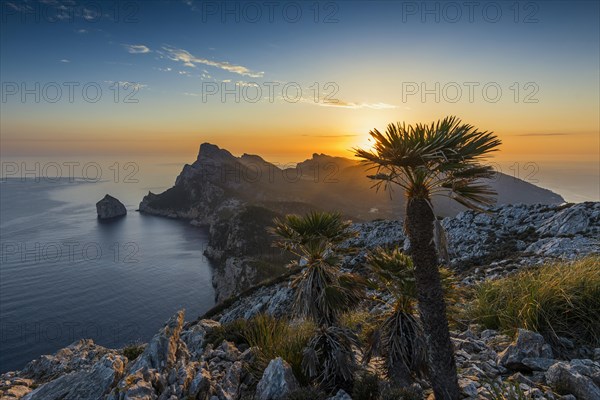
{"x": 238, "y": 197}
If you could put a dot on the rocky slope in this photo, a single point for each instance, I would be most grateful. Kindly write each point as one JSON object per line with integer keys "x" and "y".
{"x": 229, "y": 194}
{"x": 481, "y": 246}
{"x": 179, "y": 364}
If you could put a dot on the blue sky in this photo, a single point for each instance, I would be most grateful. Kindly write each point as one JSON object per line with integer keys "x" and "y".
{"x": 368, "y": 49}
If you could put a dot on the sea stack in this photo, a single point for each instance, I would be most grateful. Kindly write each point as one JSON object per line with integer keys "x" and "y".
{"x": 110, "y": 207}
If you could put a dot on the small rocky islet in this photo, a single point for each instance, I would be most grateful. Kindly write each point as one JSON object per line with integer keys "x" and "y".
{"x": 110, "y": 208}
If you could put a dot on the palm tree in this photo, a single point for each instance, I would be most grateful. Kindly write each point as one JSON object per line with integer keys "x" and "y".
{"x": 441, "y": 158}
{"x": 398, "y": 335}
{"x": 329, "y": 357}
{"x": 323, "y": 292}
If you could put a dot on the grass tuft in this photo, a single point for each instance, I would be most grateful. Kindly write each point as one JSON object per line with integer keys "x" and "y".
{"x": 279, "y": 338}
{"x": 559, "y": 299}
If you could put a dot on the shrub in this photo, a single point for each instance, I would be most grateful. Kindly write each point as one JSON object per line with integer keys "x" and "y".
{"x": 560, "y": 299}
{"x": 366, "y": 386}
{"x": 133, "y": 350}
{"x": 232, "y": 332}
{"x": 360, "y": 321}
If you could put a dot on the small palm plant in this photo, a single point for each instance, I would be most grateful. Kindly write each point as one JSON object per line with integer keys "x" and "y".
{"x": 398, "y": 337}
{"x": 323, "y": 292}
{"x": 444, "y": 157}
{"x": 329, "y": 357}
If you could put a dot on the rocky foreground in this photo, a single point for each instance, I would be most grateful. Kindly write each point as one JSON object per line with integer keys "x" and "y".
{"x": 178, "y": 363}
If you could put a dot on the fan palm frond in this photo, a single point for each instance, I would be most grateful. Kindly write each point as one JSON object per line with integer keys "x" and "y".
{"x": 329, "y": 357}
{"x": 425, "y": 158}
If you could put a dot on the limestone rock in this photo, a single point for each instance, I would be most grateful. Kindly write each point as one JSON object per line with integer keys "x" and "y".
{"x": 109, "y": 207}
{"x": 194, "y": 336}
{"x": 341, "y": 395}
{"x": 468, "y": 387}
{"x": 162, "y": 351}
{"x": 527, "y": 345}
{"x": 538, "y": 364}
{"x": 277, "y": 381}
{"x": 80, "y": 355}
{"x": 83, "y": 385}
{"x": 565, "y": 379}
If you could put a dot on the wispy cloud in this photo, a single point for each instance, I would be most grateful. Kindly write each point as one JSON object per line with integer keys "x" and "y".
{"x": 542, "y": 134}
{"x": 352, "y": 105}
{"x": 19, "y": 7}
{"x": 190, "y": 4}
{"x": 189, "y": 60}
{"x": 91, "y": 14}
{"x": 128, "y": 85}
{"x": 64, "y": 60}
{"x": 330, "y": 136}
{"x": 136, "y": 48}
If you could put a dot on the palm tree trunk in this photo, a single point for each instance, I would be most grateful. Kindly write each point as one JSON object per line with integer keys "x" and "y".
{"x": 442, "y": 367}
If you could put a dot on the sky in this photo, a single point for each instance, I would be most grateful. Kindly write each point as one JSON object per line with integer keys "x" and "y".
{"x": 285, "y": 79}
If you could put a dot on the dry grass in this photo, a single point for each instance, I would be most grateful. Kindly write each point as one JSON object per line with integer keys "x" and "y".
{"x": 560, "y": 299}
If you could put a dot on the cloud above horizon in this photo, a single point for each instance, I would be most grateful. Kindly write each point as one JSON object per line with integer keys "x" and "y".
{"x": 355, "y": 106}
{"x": 542, "y": 134}
{"x": 137, "y": 48}
{"x": 189, "y": 60}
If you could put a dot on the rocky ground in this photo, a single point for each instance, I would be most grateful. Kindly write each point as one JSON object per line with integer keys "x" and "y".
{"x": 178, "y": 363}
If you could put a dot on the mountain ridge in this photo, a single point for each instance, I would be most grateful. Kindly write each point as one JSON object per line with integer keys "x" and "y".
{"x": 225, "y": 193}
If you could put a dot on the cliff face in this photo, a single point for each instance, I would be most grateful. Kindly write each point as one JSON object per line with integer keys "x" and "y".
{"x": 242, "y": 247}
{"x": 237, "y": 197}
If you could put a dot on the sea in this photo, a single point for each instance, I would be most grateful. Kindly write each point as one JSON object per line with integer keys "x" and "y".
{"x": 65, "y": 275}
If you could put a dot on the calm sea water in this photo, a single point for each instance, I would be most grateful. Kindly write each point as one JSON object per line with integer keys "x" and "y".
{"x": 65, "y": 276}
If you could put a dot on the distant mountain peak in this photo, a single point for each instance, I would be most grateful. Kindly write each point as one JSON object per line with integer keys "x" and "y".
{"x": 213, "y": 152}
{"x": 253, "y": 157}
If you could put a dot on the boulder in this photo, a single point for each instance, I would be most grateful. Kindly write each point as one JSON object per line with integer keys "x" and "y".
{"x": 109, "y": 207}
{"x": 277, "y": 381}
{"x": 527, "y": 345}
{"x": 538, "y": 364}
{"x": 80, "y": 355}
{"x": 194, "y": 336}
{"x": 564, "y": 378}
{"x": 468, "y": 387}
